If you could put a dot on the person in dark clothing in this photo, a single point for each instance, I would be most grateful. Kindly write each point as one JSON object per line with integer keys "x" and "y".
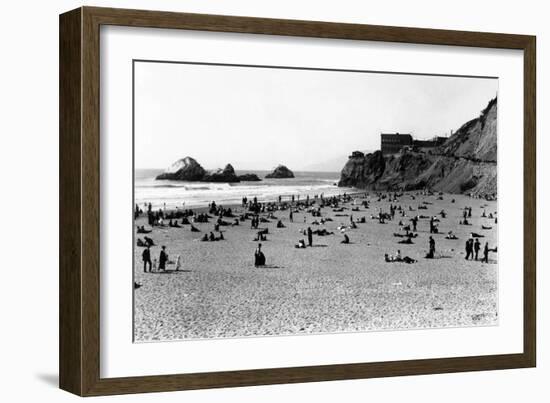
{"x": 259, "y": 257}
{"x": 163, "y": 259}
{"x": 146, "y": 258}
{"x": 485, "y": 253}
{"x": 477, "y": 246}
{"x": 346, "y": 239}
{"x": 414, "y": 221}
{"x": 469, "y": 248}
{"x": 309, "y": 236}
{"x": 432, "y": 247}
{"x": 291, "y": 216}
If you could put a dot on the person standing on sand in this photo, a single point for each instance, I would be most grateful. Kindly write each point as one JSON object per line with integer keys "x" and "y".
{"x": 432, "y": 247}
{"x": 470, "y": 248}
{"x": 414, "y": 221}
{"x": 485, "y": 253}
{"x": 146, "y": 258}
{"x": 477, "y": 246}
{"x": 163, "y": 258}
{"x": 291, "y": 215}
{"x": 259, "y": 257}
{"x": 309, "y": 236}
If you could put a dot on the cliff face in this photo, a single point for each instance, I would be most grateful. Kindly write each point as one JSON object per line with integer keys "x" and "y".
{"x": 465, "y": 163}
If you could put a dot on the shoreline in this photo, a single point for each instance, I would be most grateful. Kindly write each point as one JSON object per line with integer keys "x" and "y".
{"x": 233, "y": 205}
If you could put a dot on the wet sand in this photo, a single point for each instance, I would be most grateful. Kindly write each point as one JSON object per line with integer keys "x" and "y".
{"x": 331, "y": 287}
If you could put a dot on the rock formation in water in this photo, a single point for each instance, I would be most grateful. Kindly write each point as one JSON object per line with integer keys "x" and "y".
{"x": 222, "y": 175}
{"x": 188, "y": 169}
{"x": 249, "y": 178}
{"x": 280, "y": 172}
{"x": 465, "y": 163}
{"x": 185, "y": 169}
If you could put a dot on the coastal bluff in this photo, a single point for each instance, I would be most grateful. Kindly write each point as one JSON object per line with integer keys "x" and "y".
{"x": 464, "y": 163}
{"x": 188, "y": 169}
{"x": 280, "y": 172}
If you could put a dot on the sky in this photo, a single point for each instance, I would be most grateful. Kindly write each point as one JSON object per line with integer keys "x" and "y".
{"x": 257, "y": 118}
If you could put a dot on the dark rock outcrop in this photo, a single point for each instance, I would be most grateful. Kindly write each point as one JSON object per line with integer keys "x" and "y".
{"x": 221, "y": 175}
{"x": 465, "y": 163}
{"x": 185, "y": 169}
{"x": 249, "y": 178}
{"x": 280, "y": 172}
{"x": 188, "y": 169}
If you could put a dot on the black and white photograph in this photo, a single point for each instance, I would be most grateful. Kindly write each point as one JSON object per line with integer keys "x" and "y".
{"x": 275, "y": 201}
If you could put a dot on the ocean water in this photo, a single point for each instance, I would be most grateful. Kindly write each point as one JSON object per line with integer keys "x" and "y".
{"x": 197, "y": 194}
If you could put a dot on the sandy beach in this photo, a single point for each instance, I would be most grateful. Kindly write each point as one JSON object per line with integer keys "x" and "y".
{"x": 330, "y": 287}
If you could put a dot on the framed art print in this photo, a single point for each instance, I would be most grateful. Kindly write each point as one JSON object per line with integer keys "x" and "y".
{"x": 250, "y": 201}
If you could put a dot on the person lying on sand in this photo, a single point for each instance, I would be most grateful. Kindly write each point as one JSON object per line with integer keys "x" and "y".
{"x": 142, "y": 230}
{"x": 222, "y": 222}
{"x": 486, "y": 227}
{"x": 407, "y": 241}
{"x": 322, "y": 232}
{"x": 194, "y": 229}
{"x": 235, "y": 222}
{"x": 450, "y": 235}
{"x": 392, "y": 259}
{"x": 346, "y": 239}
{"x": 476, "y": 235}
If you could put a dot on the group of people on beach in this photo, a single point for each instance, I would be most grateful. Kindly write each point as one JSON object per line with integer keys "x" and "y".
{"x": 262, "y": 212}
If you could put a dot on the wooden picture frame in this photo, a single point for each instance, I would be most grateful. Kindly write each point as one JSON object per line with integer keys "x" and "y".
{"x": 79, "y": 348}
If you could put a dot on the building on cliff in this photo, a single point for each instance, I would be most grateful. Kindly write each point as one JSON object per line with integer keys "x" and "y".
{"x": 393, "y": 143}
